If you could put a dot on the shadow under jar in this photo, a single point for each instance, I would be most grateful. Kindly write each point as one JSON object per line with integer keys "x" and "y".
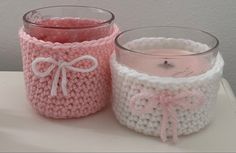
{"x": 65, "y": 52}
{"x": 165, "y": 80}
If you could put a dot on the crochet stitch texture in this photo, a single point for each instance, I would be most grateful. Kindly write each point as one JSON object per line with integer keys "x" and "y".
{"x": 132, "y": 89}
{"x": 84, "y": 92}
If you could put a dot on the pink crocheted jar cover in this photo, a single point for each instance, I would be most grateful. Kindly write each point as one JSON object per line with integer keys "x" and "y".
{"x": 87, "y": 92}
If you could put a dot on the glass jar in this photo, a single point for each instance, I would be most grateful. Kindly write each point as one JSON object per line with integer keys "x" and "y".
{"x": 66, "y": 24}
{"x": 65, "y": 53}
{"x": 165, "y": 79}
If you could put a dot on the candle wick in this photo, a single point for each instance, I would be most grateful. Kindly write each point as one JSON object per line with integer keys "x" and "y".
{"x": 166, "y": 65}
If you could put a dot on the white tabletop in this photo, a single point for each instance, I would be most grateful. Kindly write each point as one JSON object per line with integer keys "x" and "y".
{"x": 21, "y": 129}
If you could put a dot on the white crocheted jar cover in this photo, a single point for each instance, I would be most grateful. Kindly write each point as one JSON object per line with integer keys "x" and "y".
{"x": 127, "y": 82}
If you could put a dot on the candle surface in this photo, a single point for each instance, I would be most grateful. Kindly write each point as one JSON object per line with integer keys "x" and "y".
{"x": 168, "y": 63}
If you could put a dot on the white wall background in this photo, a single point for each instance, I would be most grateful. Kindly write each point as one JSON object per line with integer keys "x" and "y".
{"x": 215, "y": 16}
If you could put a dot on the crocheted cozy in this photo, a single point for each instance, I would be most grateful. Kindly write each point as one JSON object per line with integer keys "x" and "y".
{"x": 67, "y": 80}
{"x": 164, "y": 106}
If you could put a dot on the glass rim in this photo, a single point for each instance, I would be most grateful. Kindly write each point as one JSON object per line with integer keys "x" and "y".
{"x": 108, "y": 21}
{"x": 117, "y": 43}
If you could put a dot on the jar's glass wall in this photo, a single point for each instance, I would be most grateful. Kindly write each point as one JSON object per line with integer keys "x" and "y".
{"x": 167, "y": 51}
{"x": 66, "y": 24}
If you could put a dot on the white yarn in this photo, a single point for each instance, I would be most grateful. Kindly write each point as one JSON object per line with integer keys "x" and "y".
{"x": 62, "y": 67}
{"x": 127, "y": 82}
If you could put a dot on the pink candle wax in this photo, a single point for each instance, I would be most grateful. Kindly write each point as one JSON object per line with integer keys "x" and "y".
{"x": 166, "y": 63}
{"x": 67, "y": 30}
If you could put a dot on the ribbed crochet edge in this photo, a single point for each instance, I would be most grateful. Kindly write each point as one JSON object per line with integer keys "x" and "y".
{"x": 83, "y": 44}
{"x": 217, "y": 68}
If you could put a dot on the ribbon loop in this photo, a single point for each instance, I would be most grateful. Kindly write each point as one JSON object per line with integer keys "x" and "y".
{"x": 45, "y": 60}
{"x": 83, "y": 70}
{"x": 62, "y": 66}
{"x": 167, "y": 101}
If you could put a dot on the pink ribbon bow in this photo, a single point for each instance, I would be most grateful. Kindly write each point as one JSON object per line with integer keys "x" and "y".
{"x": 168, "y": 102}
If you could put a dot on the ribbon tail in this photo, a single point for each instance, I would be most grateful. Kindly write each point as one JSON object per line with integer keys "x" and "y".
{"x": 174, "y": 124}
{"x": 163, "y": 125}
{"x": 64, "y": 82}
{"x": 54, "y": 83}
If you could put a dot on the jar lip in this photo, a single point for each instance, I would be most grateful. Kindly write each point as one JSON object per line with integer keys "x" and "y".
{"x": 176, "y": 27}
{"x": 108, "y": 21}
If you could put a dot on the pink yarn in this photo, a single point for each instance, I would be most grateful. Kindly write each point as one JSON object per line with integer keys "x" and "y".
{"x": 86, "y": 93}
{"x": 168, "y": 103}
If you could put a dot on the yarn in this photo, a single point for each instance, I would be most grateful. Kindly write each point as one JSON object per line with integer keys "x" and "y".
{"x": 167, "y": 102}
{"x": 134, "y": 91}
{"x": 76, "y": 94}
{"x": 62, "y": 67}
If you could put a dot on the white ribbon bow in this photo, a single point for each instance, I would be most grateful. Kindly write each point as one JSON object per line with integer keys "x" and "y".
{"x": 62, "y": 67}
